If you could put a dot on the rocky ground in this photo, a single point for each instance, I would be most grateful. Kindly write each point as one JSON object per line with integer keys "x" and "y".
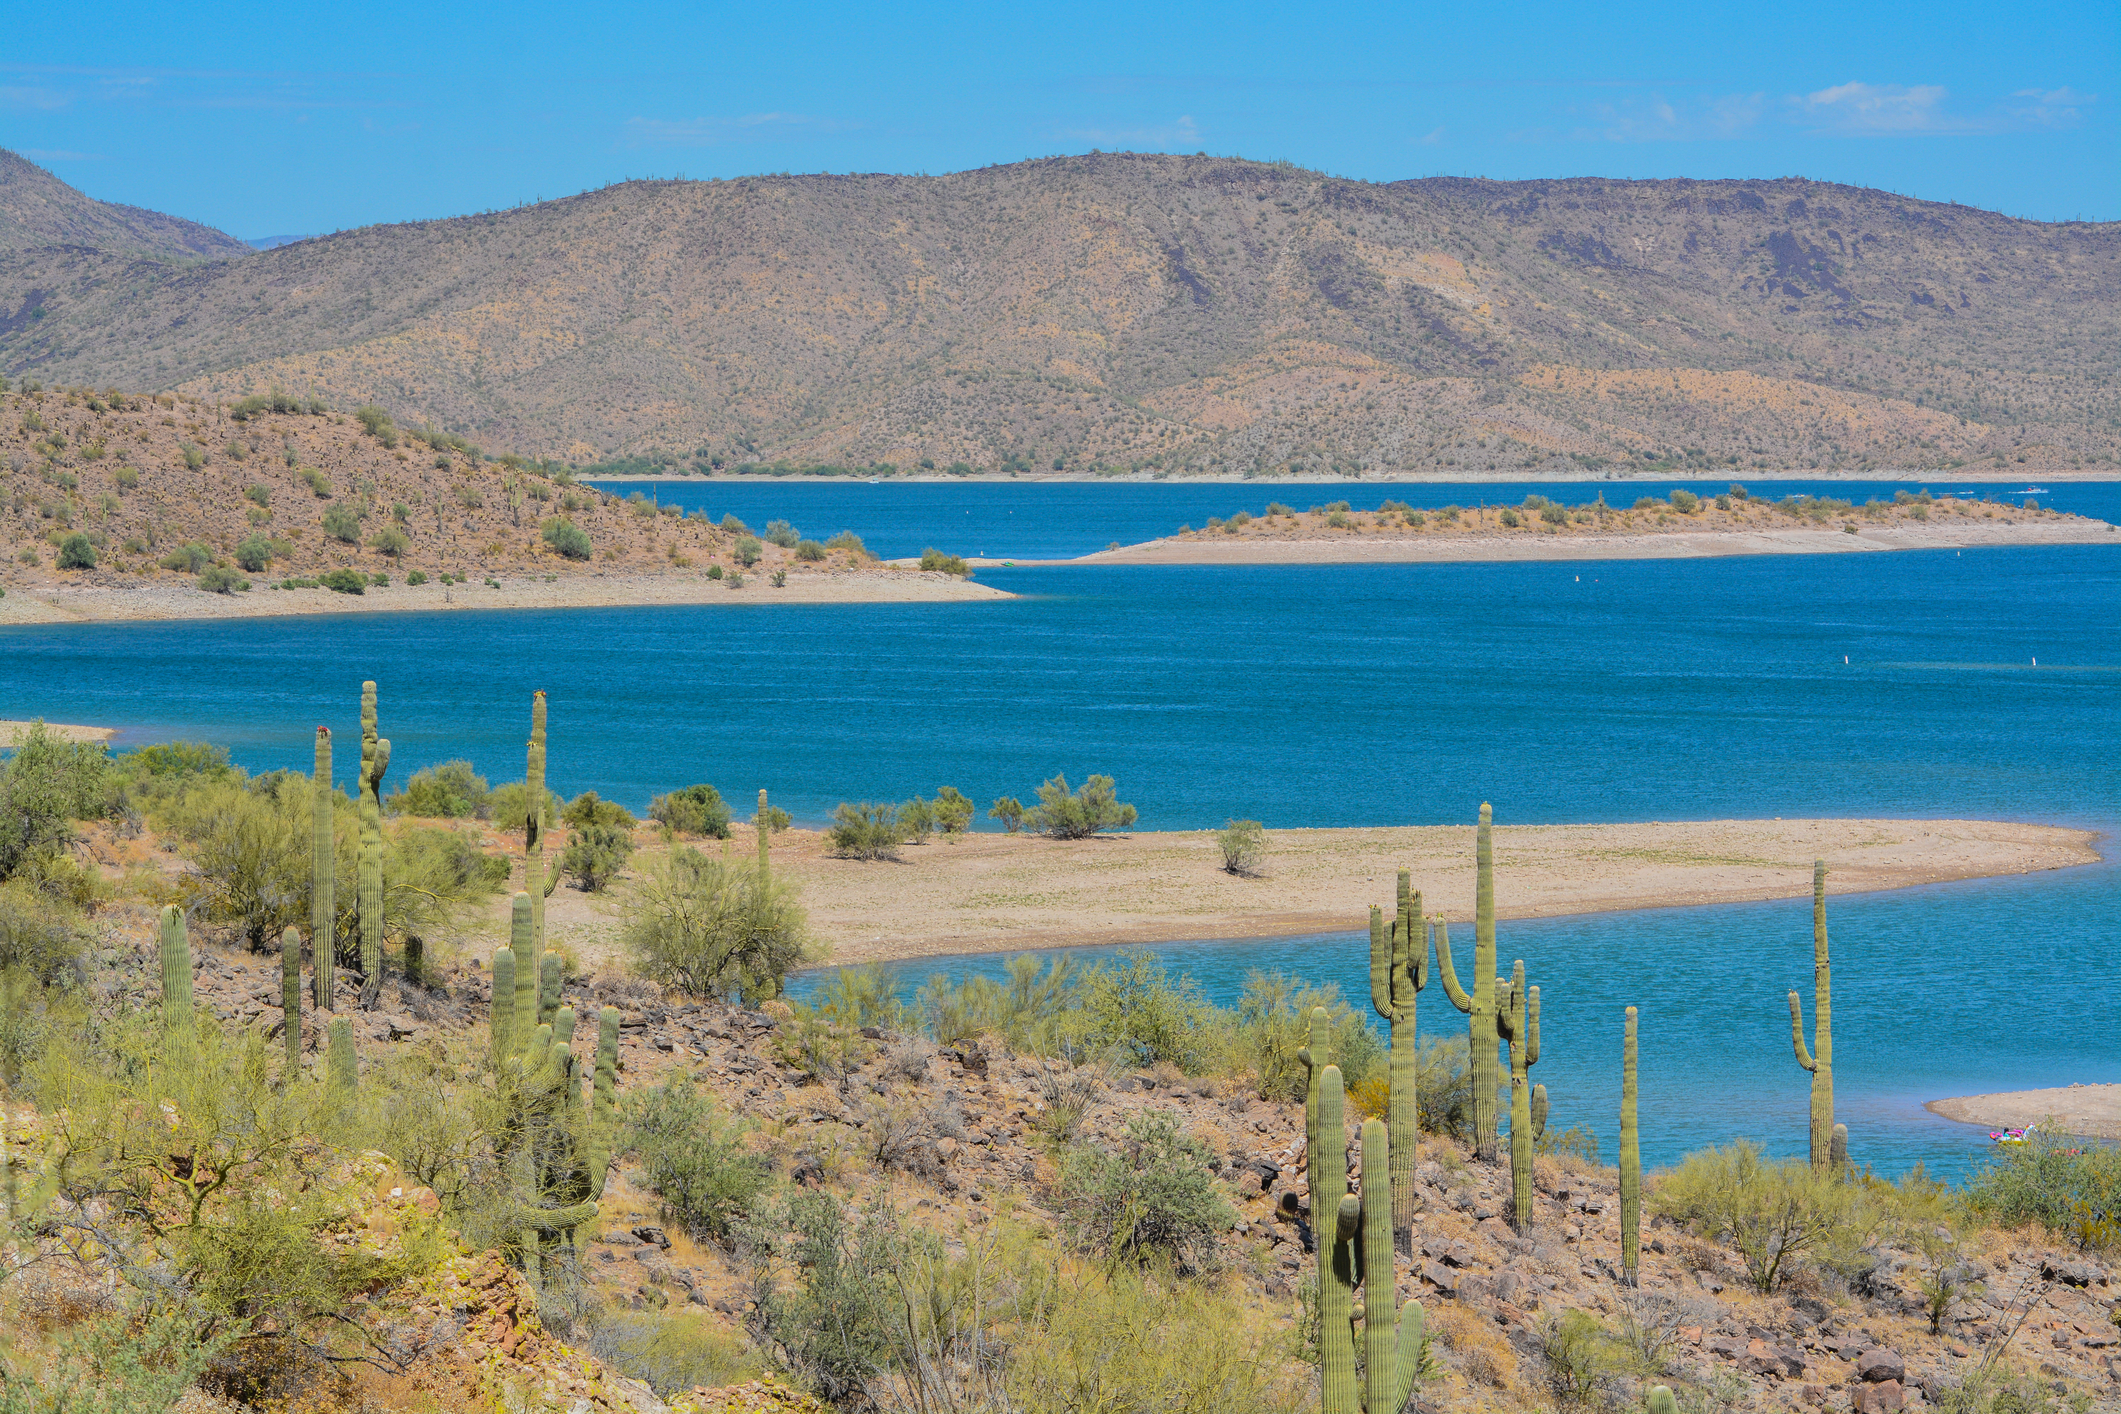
{"x": 970, "y": 1151}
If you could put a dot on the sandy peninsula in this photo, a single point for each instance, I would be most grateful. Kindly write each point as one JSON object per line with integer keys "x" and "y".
{"x": 2093, "y": 1111}
{"x": 12, "y": 732}
{"x": 993, "y": 892}
{"x": 89, "y": 602}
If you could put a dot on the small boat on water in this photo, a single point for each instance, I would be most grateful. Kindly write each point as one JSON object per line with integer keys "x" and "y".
{"x": 2032, "y": 491}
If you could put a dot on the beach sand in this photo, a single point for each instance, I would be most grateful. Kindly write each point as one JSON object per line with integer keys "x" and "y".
{"x": 994, "y": 892}
{"x": 12, "y": 732}
{"x": 168, "y": 599}
{"x": 2093, "y": 1111}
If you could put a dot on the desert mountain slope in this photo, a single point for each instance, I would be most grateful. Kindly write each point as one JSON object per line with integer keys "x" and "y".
{"x": 1172, "y": 312}
{"x": 37, "y": 209}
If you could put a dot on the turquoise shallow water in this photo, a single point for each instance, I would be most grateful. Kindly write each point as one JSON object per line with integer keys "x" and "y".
{"x": 1355, "y": 695}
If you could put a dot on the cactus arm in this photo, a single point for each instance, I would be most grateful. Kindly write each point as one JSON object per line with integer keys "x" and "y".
{"x": 291, "y": 995}
{"x": 525, "y": 1012}
{"x": 1822, "y": 970}
{"x": 1531, "y": 1040}
{"x": 177, "y": 1024}
{"x": 1460, "y": 998}
{"x": 534, "y": 881}
{"x": 1804, "y": 1055}
{"x": 1417, "y": 926}
{"x": 1336, "y": 1277}
{"x": 1380, "y": 1338}
{"x": 602, "y": 1115}
{"x": 1413, "y": 1331}
{"x": 1838, "y": 1151}
{"x": 549, "y": 982}
{"x": 1380, "y": 964}
{"x": 323, "y": 878}
{"x": 501, "y": 1013}
{"x": 764, "y": 861}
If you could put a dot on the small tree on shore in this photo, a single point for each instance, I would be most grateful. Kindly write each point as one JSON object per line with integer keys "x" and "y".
{"x": 1077, "y": 815}
{"x": 1243, "y": 844}
{"x": 1010, "y": 811}
{"x": 866, "y": 831}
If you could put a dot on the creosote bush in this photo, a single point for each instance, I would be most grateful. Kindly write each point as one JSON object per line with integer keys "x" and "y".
{"x": 1151, "y": 1196}
{"x": 595, "y": 854}
{"x": 1066, "y": 815}
{"x": 866, "y": 831}
{"x": 694, "y": 1158}
{"x": 714, "y": 929}
{"x": 453, "y": 790}
{"x": 695, "y": 810}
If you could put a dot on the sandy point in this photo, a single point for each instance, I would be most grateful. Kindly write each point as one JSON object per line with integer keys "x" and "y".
{"x": 11, "y": 733}
{"x": 2089, "y": 1111}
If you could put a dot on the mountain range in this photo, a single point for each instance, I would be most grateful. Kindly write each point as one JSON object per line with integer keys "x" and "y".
{"x": 1125, "y": 312}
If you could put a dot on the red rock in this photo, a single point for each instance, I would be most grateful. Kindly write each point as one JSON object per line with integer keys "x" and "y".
{"x": 1885, "y": 1397}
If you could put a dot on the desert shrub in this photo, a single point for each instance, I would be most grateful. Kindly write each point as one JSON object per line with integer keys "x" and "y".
{"x": 416, "y": 578}
{"x": 254, "y": 552}
{"x": 694, "y": 1158}
{"x": 862, "y": 996}
{"x": 714, "y": 571}
{"x": 188, "y": 558}
{"x": 916, "y": 820}
{"x": 1031, "y": 1010}
{"x": 714, "y": 929}
{"x": 1151, "y": 1196}
{"x": 1553, "y": 514}
{"x": 674, "y": 1352}
{"x": 258, "y": 494}
{"x": 1647, "y": 503}
{"x": 936, "y": 562}
{"x": 1579, "y": 1359}
{"x": 40, "y": 937}
{"x": 171, "y": 761}
{"x": 1773, "y": 1211}
{"x": 1080, "y": 814}
{"x": 193, "y": 454}
{"x": 781, "y": 533}
{"x": 453, "y": 790}
{"x": 1010, "y": 811}
{"x": 220, "y": 579}
{"x": 1511, "y": 518}
{"x": 1243, "y": 843}
{"x": 595, "y": 854}
{"x": 589, "y": 809}
{"x": 45, "y": 786}
{"x": 2070, "y": 1186}
{"x": 747, "y": 550}
{"x": 865, "y": 831}
{"x": 342, "y": 523}
{"x": 695, "y": 810}
{"x": 1136, "y": 1012}
{"x": 1274, "y": 1023}
{"x": 390, "y": 541}
{"x": 952, "y": 810}
{"x": 1685, "y": 502}
{"x": 1338, "y": 520}
{"x": 567, "y": 538}
{"x": 834, "y": 1327}
{"x": 850, "y": 542}
{"x": 344, "y": 581}
{"x": 809, "y": 550}
{"x": 732, "y": 526}
{"x": 142, "y": 1362}
{"x": 377, "y": 424}
{"x": 77, "y": 552}
{"x": 508, "y": 806}
{"x": 127, "y": 477}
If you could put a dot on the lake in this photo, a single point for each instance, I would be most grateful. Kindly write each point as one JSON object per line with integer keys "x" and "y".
{"x": 1888, "y": 684}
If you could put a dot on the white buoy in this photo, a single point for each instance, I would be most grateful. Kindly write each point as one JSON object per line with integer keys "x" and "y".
{"x": 1844, "y": 660}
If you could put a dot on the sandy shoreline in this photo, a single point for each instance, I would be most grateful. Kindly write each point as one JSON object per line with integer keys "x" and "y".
{"x": 2091, "y": 1111}
{"x": 90, "y": 603}
{"x": 993, "y": 892}
{"x": 1458, "y": 477}
{"x": 1408, "y": 549}
{"x": 12, "y": 732}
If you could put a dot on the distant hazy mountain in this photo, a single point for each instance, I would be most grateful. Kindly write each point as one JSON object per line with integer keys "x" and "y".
{"x": 37, "y": 209}
{"x": 1173, "y": 312}
{"x": 272, "y": 242}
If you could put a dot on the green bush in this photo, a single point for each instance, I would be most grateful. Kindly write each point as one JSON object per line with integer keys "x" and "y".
{"x": 39, "y": 936}
{"x": 1273, "y": 1024}
{"x": 1554, "y": 514}
{"x": 835, "y": 1328}
{"x": 586, "y": 810}
{"x": 1243, "y": 844}
{"x": 377, "y": 423}
{"x": 344, "y": 581}
{"x": 594, "y": 856}
{"x": 916, "y": 820}
{"x": 674, "y": 1352}
{"x": 2069, "y": 1186}
{"x": 171, "y": 761}
{"x": 732, "y": 526}
{"x": 809, "y": 551}
{"x": 509, "y": 806}
{"x": 567, "y": 538}
{"x": 342, "y": 523}
{"x": 952, "y": 810}
{"x": 695, "y": 810}
{"x": 694, "y": 1158}
{"x": 220, "y": 579}
{"x": 714, "y": 929}
{"x": 452, "y": 790}
{"x": 188, "y": 558}
{"x": 127, "y": 477}
{"x": 417, "y": 577}
{"x": 390, "y": 541}
{"x": 77, "y": 552}
{"x": 1010, "y": 811}
{"x": 850, "y": 542}
{"x": 1647, "y": 503}
{"x": 258, "y": 494}
{"x": 1511, "y": 519}
{"x": 1774, "y": 1212}
{"x": 254, "y": 552}
{"x": 45, "y": 786}
{"x": 781, "y": 533}
{"x": 936, "y": 562}
{"x": 748, "y": 551}
{"x": 772, "y": 819}
{"x": 714, "y": 571}
{"x": 865, "y": 831}
{"x": 1079, "y": 815}
{"x": 194, "y": 455}
{"x": 1685, "y": 502}
{"x": 1152, "y": 1196}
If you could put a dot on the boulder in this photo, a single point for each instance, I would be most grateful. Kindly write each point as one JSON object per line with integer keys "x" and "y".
{"x": 2071, "y": 1273}
{"x": 1885, "y": 1397}
{"x": 1443, "y": 1278}
{"x": 1880, "y": 1367}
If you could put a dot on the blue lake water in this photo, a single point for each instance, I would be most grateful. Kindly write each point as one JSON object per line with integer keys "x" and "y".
{"x": 1343, "y": 695}
{"x": 1059, "y": 520}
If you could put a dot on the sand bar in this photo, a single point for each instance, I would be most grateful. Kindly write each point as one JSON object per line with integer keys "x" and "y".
{"x": 12, "y": 732}
{"x": 993, "y": 892}
{"x": 2093, "y": 1111}
{"x": 164, "y": 599}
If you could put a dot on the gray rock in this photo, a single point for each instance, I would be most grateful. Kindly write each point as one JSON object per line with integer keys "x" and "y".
{"x": 1878, "y": 1366}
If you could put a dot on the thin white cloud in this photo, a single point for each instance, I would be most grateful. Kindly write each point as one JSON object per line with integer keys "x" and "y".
{"x": 1431, "y": 138}
{"x": 1656, "y": 118}
{"x": 1879, "y": 110}
{"x": 706, "y": 132}
{"x": 2050, "y": 108}
{"x": 1182, "y": 133}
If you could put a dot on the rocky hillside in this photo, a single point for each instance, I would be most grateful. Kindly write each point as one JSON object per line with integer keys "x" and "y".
{"x": 39, "y": 211}
{"x": 143, "y": 478}
{"x": 1167, "y": 314}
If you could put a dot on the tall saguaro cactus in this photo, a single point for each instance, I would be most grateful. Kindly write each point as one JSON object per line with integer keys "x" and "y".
{"x": 1518, "y": 1024}
{"x": 1316, "y": 1056}
{"x": 177, "y": 1023}
{"x": 1630, "y": 1164}
{"x": 323, "y": 879}
{"x": 375, "y": 760}
{"x": 1399, "y": 969}
{"x": 1355, "y": 1243}
{"x": 765, "y": 862}
{"x": 1819, "y": 1060}
{"x": 291, "y": 996}
{"x": 535, "y": 883}
{"x": 1479, "y": 1004}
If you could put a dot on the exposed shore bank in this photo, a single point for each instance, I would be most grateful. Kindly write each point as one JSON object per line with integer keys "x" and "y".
{"x": 995, "y": 892}
{"x": 2093, "y": 1111}
{"x": 1971, "y": 476}
{"x": 12, "y": 732}
{"x": 91, "y": 602}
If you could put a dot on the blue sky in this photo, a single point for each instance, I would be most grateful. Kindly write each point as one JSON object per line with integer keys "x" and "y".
{"x": 267, "y": 122}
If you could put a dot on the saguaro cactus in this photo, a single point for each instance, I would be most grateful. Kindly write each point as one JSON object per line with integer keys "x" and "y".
{"x": 1399, "y": 969}
{"x": 176, "y": 984}
{"x": 375, "y": 760}
{"x": 342, "y": 1069}
{"x": 323, "y": 879}
{"x": 291, "y": 995}
{"x": 1630, "y": 1164}
{"x": 1662, "y": 1402}
{"x": 765, "y": 830}
{"x": 535, "y": 883}
{"x": 603, "y": 1117}
{"x": 551, "y": 978}
{"x": 1518, "y": 1023}
{"x": 1819, "y": 1060}
{"x": 1316, "y": 1056}
{"x": 1479, "y": 1004}
{"x": 500, "y": 1021}
{"x": 1838, "y": 1151}
{"x": 1355, "y": 1250}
